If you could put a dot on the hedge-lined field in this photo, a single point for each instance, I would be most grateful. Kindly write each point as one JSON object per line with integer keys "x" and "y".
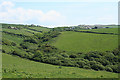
{"x": 21, "y": 31}
{"x": 85, "y": 42}
{"x": 40, "y": 29}
{"x": 104, "y": 30}
{"x": 85, "y": 50}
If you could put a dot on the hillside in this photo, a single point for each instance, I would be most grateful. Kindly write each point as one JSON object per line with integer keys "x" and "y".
{"x": 69, "y": 51}
{"x": 85, "y": 42}
{"x": 104, "y": 30}
{"x": 22, "y": 68}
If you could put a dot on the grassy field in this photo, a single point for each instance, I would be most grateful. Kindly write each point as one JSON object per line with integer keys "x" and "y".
{"x": 85, "y": 42}
{"x": 15, "y": 39}
{"x": 104, "y": 30}
{"x": 21, "y": 31}
{"x": 16, "y": 67}
{"x": 21, "y": 68}
{"x": 40, "y": 29}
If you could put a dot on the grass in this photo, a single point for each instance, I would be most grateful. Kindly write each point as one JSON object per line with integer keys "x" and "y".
{"x": 15, "y": 39}
{"x": 21, "y": 31}
{"x": 21, "y": 68}
{"x": 40, "y": 29}
{"x": 31, "y": 31}
{"x": 85, "y": 42}
{"x": 9, "y": 49}
{"x": 104, "y": 30}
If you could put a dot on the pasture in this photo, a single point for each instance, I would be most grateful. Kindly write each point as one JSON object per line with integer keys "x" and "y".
{"x": 104, "y": 30}
{"x": 85, "y": 42}
{"x": 41, "y": 29}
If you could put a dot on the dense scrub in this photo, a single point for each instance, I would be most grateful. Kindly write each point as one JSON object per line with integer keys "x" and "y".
{"x": 22, "y": 68}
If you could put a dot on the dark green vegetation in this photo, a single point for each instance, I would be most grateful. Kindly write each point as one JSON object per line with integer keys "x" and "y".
{"x": 22, "y": 68}
{"x": 34, "y": 43}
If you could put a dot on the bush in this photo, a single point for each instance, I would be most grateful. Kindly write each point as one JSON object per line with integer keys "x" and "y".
{"x": 37, "y": 54}
{"x": 81, "y": 64}
{"x": 108, "y": 69}
{"x": 6, "y": 42}
{"x": 87, "y": 67}
{"x": 97, "y": 67}
{"x": 92, "y": 55}
{"x": 13, "y": 44}
{"x": 103, "y": 61}
{"x": 115, "y": 68}
{"x": 73, "y": 56}
{"x": 31, "y": 40}
{"x": 92, "y": 62}
{"x": 116, "y": 52}
{"x": 65, "y": 55}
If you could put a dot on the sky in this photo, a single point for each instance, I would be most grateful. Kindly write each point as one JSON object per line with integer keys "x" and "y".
{"x": 51, "y": 13}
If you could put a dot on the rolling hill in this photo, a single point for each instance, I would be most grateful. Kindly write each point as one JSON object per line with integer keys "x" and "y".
{"x": 85, "y": 42}
{"x": 39, "y": 52}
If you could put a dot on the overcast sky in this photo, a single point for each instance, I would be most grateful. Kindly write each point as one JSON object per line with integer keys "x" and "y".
{"x": 59, "y": 12}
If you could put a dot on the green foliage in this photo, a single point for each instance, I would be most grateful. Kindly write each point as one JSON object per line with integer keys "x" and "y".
{"x": 97, "y": 67}
{"x": 30, "y": 39}
{"x": 115, "y": 68}
{"x": 36, "y": 47}
{"x": 15, "y": 67}
{"x": 108, "y": 69}
{"x": 73, "y": 56}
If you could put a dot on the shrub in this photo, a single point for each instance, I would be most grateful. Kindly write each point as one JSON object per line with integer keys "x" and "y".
{"x": 13, "y": 44}
{"x": 116, "y": 52}
{"x": 37, "y": 54}
{"x": 102, "y": 61}
{"x": 115, "y": 68}
{"x": 92, "y": 62}
{"x": 73, "y": 56}
{"x": 81, "y": 64}
{"x": 65, "y": 55}
{"x": 6, "y": 42}
{"x": 97, "y": 67}
{"x": 31, "y": 40}
{"x": 108, "y": 69}
{"x": 87, "y": 67}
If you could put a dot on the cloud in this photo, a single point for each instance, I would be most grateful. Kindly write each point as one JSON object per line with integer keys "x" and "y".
{"x": 10, "y": 14}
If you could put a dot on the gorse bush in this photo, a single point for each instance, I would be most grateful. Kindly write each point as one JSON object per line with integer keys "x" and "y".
{"x": 107, "y": 68}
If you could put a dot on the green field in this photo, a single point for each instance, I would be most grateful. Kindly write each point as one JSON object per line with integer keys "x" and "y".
{"x": 104, "y": 30}
{"x": 85, "y": 42}
{"x": 64, "y": 52}
{"x": 21, "y": 31}
{"x": 12, "y": 38}
{"x": 40, "y": 29}
{"x": 21, "y": 68}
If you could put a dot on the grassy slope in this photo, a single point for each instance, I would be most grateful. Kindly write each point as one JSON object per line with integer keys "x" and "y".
{"x": 22, "y": 31}
{"x": 85, "y": 42}
{"x": 104, "y": 30}
{"x": 15, "y": 39}
{"x": 17, "y": 68}
{"x": 40, "y": 29}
